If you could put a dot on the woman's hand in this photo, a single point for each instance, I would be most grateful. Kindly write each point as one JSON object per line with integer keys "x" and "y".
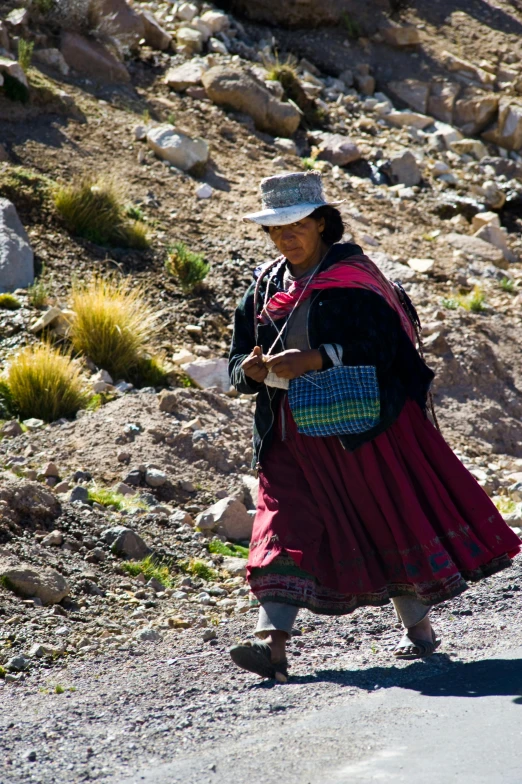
{"x": 254, "y": 367}
{"x": 294, "y": 363}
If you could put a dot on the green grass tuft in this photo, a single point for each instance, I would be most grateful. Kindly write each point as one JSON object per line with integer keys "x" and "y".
{"x": 220, "y": 548}
{"x": 7, "y": 405}
{"x": 94, "y": 209}
{"x": 107, "y": 497}
{"x": 9, "y": 302}
{"x": 505, "y": 505}
{"x": 45, "y": 383}
{"x": 40, "y": 290}
{"x": 508, "y": 285}
{"x": 189, "y": 268}
{"x": 113, "y": 325}
{"x": 475, "y": 302}
{"x": 308, "y": 163}
{"x": 58, "y": 689}
{"x": 149, "y": 568}
{"x": 3, "y": 672}
{"x": 149, "y": 372}
{"x": 199, "y": 569}
{"x": 25, "y": 53}
{"x": 352, "y": 26}
{"x": 451, "y": 303}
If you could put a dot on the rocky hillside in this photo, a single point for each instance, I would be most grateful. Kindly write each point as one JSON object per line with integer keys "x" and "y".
{"x": 413, "y": 114}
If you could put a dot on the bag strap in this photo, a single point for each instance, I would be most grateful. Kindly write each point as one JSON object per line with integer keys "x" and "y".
{"x": 413, "y": 316}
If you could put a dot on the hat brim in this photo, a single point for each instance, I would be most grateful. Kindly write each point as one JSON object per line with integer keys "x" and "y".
{"x": 282, "y": 216}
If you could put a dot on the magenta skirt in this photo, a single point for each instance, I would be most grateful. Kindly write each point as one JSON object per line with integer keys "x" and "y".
{"x": 400, "y": 516}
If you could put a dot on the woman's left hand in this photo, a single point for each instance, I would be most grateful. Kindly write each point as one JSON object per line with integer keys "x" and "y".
{"x": 294, "y": 363}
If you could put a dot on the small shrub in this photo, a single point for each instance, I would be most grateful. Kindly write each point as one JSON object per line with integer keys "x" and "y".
{"x": 149, "y": 568}
{"x": 352, "y": 26}
{"x": 189, "y": 268}
{"x": 507, "y": 285}
{"x": 45, "y": 383}
{"x": 474, "y": 301}
{"x": 220, "y": 548}
{"x": 113, "y": 325}
{"x": 25, "y": 53}
{"x": 9, "y": 302}
{"x": 40, "y": 290}
{"x": 93, "y": 209}
{"x": 199, "y": 569}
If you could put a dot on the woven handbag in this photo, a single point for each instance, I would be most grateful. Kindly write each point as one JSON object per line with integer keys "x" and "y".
{"x": 343, "y": 400}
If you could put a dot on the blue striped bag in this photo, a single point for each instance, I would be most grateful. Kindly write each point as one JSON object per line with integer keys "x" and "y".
{"x": 343, "y": 400}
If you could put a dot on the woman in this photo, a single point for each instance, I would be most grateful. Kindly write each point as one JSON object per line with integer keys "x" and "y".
{"x": 359, "y": 518}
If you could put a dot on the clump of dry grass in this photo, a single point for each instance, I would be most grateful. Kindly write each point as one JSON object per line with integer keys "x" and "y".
{"x": 44, "y": 383}
{"x": 95, "y": 209}
{"x": 113, "y": 325}
{"x": 189, "y": 268}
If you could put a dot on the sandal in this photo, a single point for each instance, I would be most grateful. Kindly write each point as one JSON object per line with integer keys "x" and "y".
{"x": 256, "y": 657}
{"x": 417, "y": 649}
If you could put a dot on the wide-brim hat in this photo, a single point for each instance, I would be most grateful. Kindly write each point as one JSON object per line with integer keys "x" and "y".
{"x": 287, "y": 198}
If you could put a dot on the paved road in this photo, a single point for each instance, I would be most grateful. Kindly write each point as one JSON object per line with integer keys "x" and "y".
{"x": 464, "y": 726}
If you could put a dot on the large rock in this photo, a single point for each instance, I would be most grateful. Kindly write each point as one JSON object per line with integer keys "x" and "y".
{"x": 154, "y": 34}
{"x": 228, "y": 517}
{"x": 441, "y": 100}
{"x": 189, "y": 74}
{"x": 403, "y": 169}
{"x": 14, "y": 70}
{"x": 310, "y": 13}
{"x": 407, "y": 119}
{"x": 117, "y": 19}
{"x": 125, "y": 542}
{"x": 338, "y": 149}
{"x": 216, "y": 21}
{"x": 476, "y": 249}
{"x": 467, "y": 69}
{"x": 30, "y": 581}
{"x": 207, "y": 373}
{"x": 496, "y": 236}
{"x": 400, "y": 35}
{"x": 241, "y": 91}
{"x": 53, "y": 58}
{"x": 473, "y": 147}
{"x": 236, "y": 566}
{"x": 28, "y": 501}
{"x": 177, "y": 148}
{"x": 507, "y": 131}
{"x": 92, "y": 59}
{"x": 412, "y": 92}
{"x": 16, "y": 255}
{"x": 472, "y": 115}
{"x": 189, "y": 40}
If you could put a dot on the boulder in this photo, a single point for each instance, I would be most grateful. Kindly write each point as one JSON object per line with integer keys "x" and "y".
{"x": 11, "y": 429}
{"x": 189, "y": 41}
{"x": 29, "y": 501}
{"x": 472, "y": 147}
{"x": 338, "y": 149}
{"x": 497, "y": 237}
{"x": 92, "y": 59}
{"x": 187, "y": 11}
{"x": 188, "y": 74}
{"x": 467, "y": 69}
{"x": 16, "y": 255}
{"x": 168, "y": 401}
{"x": 412, "y": 92}
{"x": 180, "y": 150}
{"x": 14, "y": 70}
{"x": 484, "y": 219}
{"x": 155, "y": 478}
{"x": 473, "y": 115}
{"x": 228, "y": 517}
{"x": 46, "y": 584}
{"x": 46, "y": 319}
{"x": 117, "y": 19}
{"x": 441, "y": 100}
{"x": 154, "y": 34}
{"x": 421, "y": 265}
{"x": 125, "y": 543}
{"x": 507, "y": 131}
{"x": 236, "y": 566}
{"x": 476, "y": 248}
{"x": 216, "y": 21}
{"x": 400, "y": 35}
{"x": 409, "y": 119}
{"x": 53, "y": 58}
{"x": 241, "y": 91}
{"x": 54, "y": 539}
{"x": 207, "y": 373}
{"x": 403, "y": 169}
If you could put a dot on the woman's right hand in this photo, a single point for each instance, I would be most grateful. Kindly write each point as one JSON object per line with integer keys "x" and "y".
{"x": 254, "y": 366}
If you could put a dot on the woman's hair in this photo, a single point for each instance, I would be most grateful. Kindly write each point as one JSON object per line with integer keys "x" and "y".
{"x": 333, "y": 223}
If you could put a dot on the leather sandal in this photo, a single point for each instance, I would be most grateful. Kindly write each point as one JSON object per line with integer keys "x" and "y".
{"x": 417, "y": 649}
{"x": 257, "y": 657}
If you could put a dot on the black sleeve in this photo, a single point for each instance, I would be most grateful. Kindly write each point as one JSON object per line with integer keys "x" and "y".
{"x": 243, "y": 341}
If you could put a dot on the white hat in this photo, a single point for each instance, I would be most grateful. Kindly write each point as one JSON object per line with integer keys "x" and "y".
{"x": 288, "y": 198}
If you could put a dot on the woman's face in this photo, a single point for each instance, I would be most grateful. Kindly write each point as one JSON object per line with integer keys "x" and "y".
{"x": 300, "y": 242}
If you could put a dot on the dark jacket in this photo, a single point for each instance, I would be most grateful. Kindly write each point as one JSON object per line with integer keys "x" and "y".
{"x": 365, "y": 326}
